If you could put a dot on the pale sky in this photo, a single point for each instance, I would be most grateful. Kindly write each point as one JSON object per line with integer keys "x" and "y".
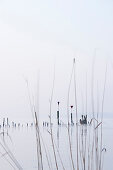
{"x": 36, "y": 34}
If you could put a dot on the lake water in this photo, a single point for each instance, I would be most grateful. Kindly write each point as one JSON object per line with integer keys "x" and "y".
{"x": 22, "y": 143}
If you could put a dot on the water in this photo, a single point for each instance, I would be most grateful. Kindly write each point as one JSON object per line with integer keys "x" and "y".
{"x": 22, "y": 143}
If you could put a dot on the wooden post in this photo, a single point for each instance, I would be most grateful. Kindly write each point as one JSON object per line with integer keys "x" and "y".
{"x": 58, "y": 114}
{"x": 71, "y": 115}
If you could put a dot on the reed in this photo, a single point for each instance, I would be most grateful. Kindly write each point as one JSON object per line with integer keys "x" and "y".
{"x": 11, "y": 159}
{"x": 70, "y": 147}
{"x": 89, "y": 149}
{"x": 51, "y": 130}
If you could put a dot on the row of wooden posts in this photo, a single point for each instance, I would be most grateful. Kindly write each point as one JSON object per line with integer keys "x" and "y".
{"x": 58, "y": 115}
{"x": 82, "y": 121}
{"x": 5, "y": 122}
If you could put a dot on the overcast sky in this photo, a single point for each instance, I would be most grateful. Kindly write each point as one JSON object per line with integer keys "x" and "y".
{"x": 36, "y": 34}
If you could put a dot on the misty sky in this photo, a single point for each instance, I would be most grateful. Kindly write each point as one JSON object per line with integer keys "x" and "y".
{"x": 35, "y": 35}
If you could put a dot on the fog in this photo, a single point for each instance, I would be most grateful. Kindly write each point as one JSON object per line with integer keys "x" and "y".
{"x": 35, "y": 36}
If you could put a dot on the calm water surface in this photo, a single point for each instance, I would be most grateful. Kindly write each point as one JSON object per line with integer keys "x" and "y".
{"x": 22, "y": 143}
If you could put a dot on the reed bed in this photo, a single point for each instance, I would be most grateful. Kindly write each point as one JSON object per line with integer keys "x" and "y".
{"x": 89, "y": 151}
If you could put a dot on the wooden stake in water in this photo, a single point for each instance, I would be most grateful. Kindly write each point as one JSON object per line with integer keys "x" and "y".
{"x": 58, "y": 114}
{"x": 71, "y": 115}
{"x": 7, "y": 125}
{"x": 3, "y": 125}
{"x": 7, "y": 121}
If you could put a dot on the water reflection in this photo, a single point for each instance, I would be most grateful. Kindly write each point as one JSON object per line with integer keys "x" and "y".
{"x": 24, "y": 144}
{"x": 58, "y": 136}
